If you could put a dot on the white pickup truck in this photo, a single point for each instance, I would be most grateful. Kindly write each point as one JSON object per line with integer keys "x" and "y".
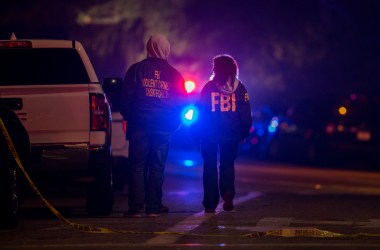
{"x": 52, "y": 87}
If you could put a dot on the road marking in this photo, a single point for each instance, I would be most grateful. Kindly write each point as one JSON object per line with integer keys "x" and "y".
{"x": 255, "y": 245}
{"x": 192, "y": 222}
{"x": 274, "y": 223}
{"x": 268, "y": 224}
{"x": 370, "y": 224}
{"x": 317, "y": 187}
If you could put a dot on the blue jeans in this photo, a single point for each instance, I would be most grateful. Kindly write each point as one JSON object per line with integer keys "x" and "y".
{"x": 148, "y": 152}
{"x": 214, "y": 184}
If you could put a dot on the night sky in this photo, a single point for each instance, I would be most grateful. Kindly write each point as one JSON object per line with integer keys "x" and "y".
{"x": 286, "y": 49}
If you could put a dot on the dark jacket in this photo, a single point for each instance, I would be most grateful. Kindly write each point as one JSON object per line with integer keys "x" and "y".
{"x": 223, "y": 115}
{"x": 153, "y": 96}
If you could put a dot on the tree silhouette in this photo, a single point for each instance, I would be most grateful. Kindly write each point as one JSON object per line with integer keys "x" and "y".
{"x": 285, "y": 49}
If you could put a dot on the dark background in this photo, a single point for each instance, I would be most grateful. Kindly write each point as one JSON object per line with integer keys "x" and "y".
{"x": 286, "y": 49}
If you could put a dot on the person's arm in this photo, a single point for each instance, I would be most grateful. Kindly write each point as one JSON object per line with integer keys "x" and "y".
{"x": 245, "y": 114}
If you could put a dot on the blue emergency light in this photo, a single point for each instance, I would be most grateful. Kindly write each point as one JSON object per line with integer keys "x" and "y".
{"x": 189, "y": 115}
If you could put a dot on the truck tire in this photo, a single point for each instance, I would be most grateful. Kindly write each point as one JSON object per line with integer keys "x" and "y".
{"x": 9, "y": 198}
{"x": 99, "y": 197}
{"x": 12, "y": 183}
{"x": 9, "y": 201}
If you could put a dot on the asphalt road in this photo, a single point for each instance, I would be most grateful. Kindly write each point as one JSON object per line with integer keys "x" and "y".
{"x": 278, "y": 206}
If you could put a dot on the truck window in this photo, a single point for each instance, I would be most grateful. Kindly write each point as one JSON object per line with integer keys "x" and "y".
{"x": 23, "y": 66}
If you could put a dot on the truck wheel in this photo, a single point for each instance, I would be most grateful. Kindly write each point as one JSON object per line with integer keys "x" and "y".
{"x": 99, "y": 198}
{"x": 9, "y": 201}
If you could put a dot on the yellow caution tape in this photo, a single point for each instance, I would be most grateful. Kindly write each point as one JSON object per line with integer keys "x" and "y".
{"x": 284, "y": 232}
{"x": 298, "y": 232}
{"x": 13, "y": 150}
{"x": 79, "y": 227}
{"x": 306, "y": 232}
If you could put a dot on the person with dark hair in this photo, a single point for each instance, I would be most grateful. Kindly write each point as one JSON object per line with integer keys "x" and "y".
{"x": 153, "y": 98}
{"x": 224, "y": 121}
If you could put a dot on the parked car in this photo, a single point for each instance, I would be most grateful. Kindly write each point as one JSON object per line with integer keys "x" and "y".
{"x": 298, "y": 133}
{"x": 327, "y": 132}
{"x": 353, "y": 131}
{"x": 120, "y": 146}
{"x": 52, "y": 87}
{"x": 261, "y": 133}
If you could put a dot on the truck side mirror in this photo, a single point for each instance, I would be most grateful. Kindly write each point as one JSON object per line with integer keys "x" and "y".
{"x": 112, "y": 84}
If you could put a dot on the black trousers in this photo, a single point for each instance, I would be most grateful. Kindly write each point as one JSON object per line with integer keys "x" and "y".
{"x": 216, "y": 183}
{"x": 148, "y": 152}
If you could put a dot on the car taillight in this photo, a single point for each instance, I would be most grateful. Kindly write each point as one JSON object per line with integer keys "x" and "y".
{"x": 99, "y": 112}
{"x": 125, "y": 127}
{"x": 330, "y": 128}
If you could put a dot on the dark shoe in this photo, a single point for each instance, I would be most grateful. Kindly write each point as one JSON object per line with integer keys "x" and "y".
{"x": 133, "y": 214}
{"x": 209, "y": 210}
{"x": 163, "y": 209}
{"x": 228, "y": 201}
